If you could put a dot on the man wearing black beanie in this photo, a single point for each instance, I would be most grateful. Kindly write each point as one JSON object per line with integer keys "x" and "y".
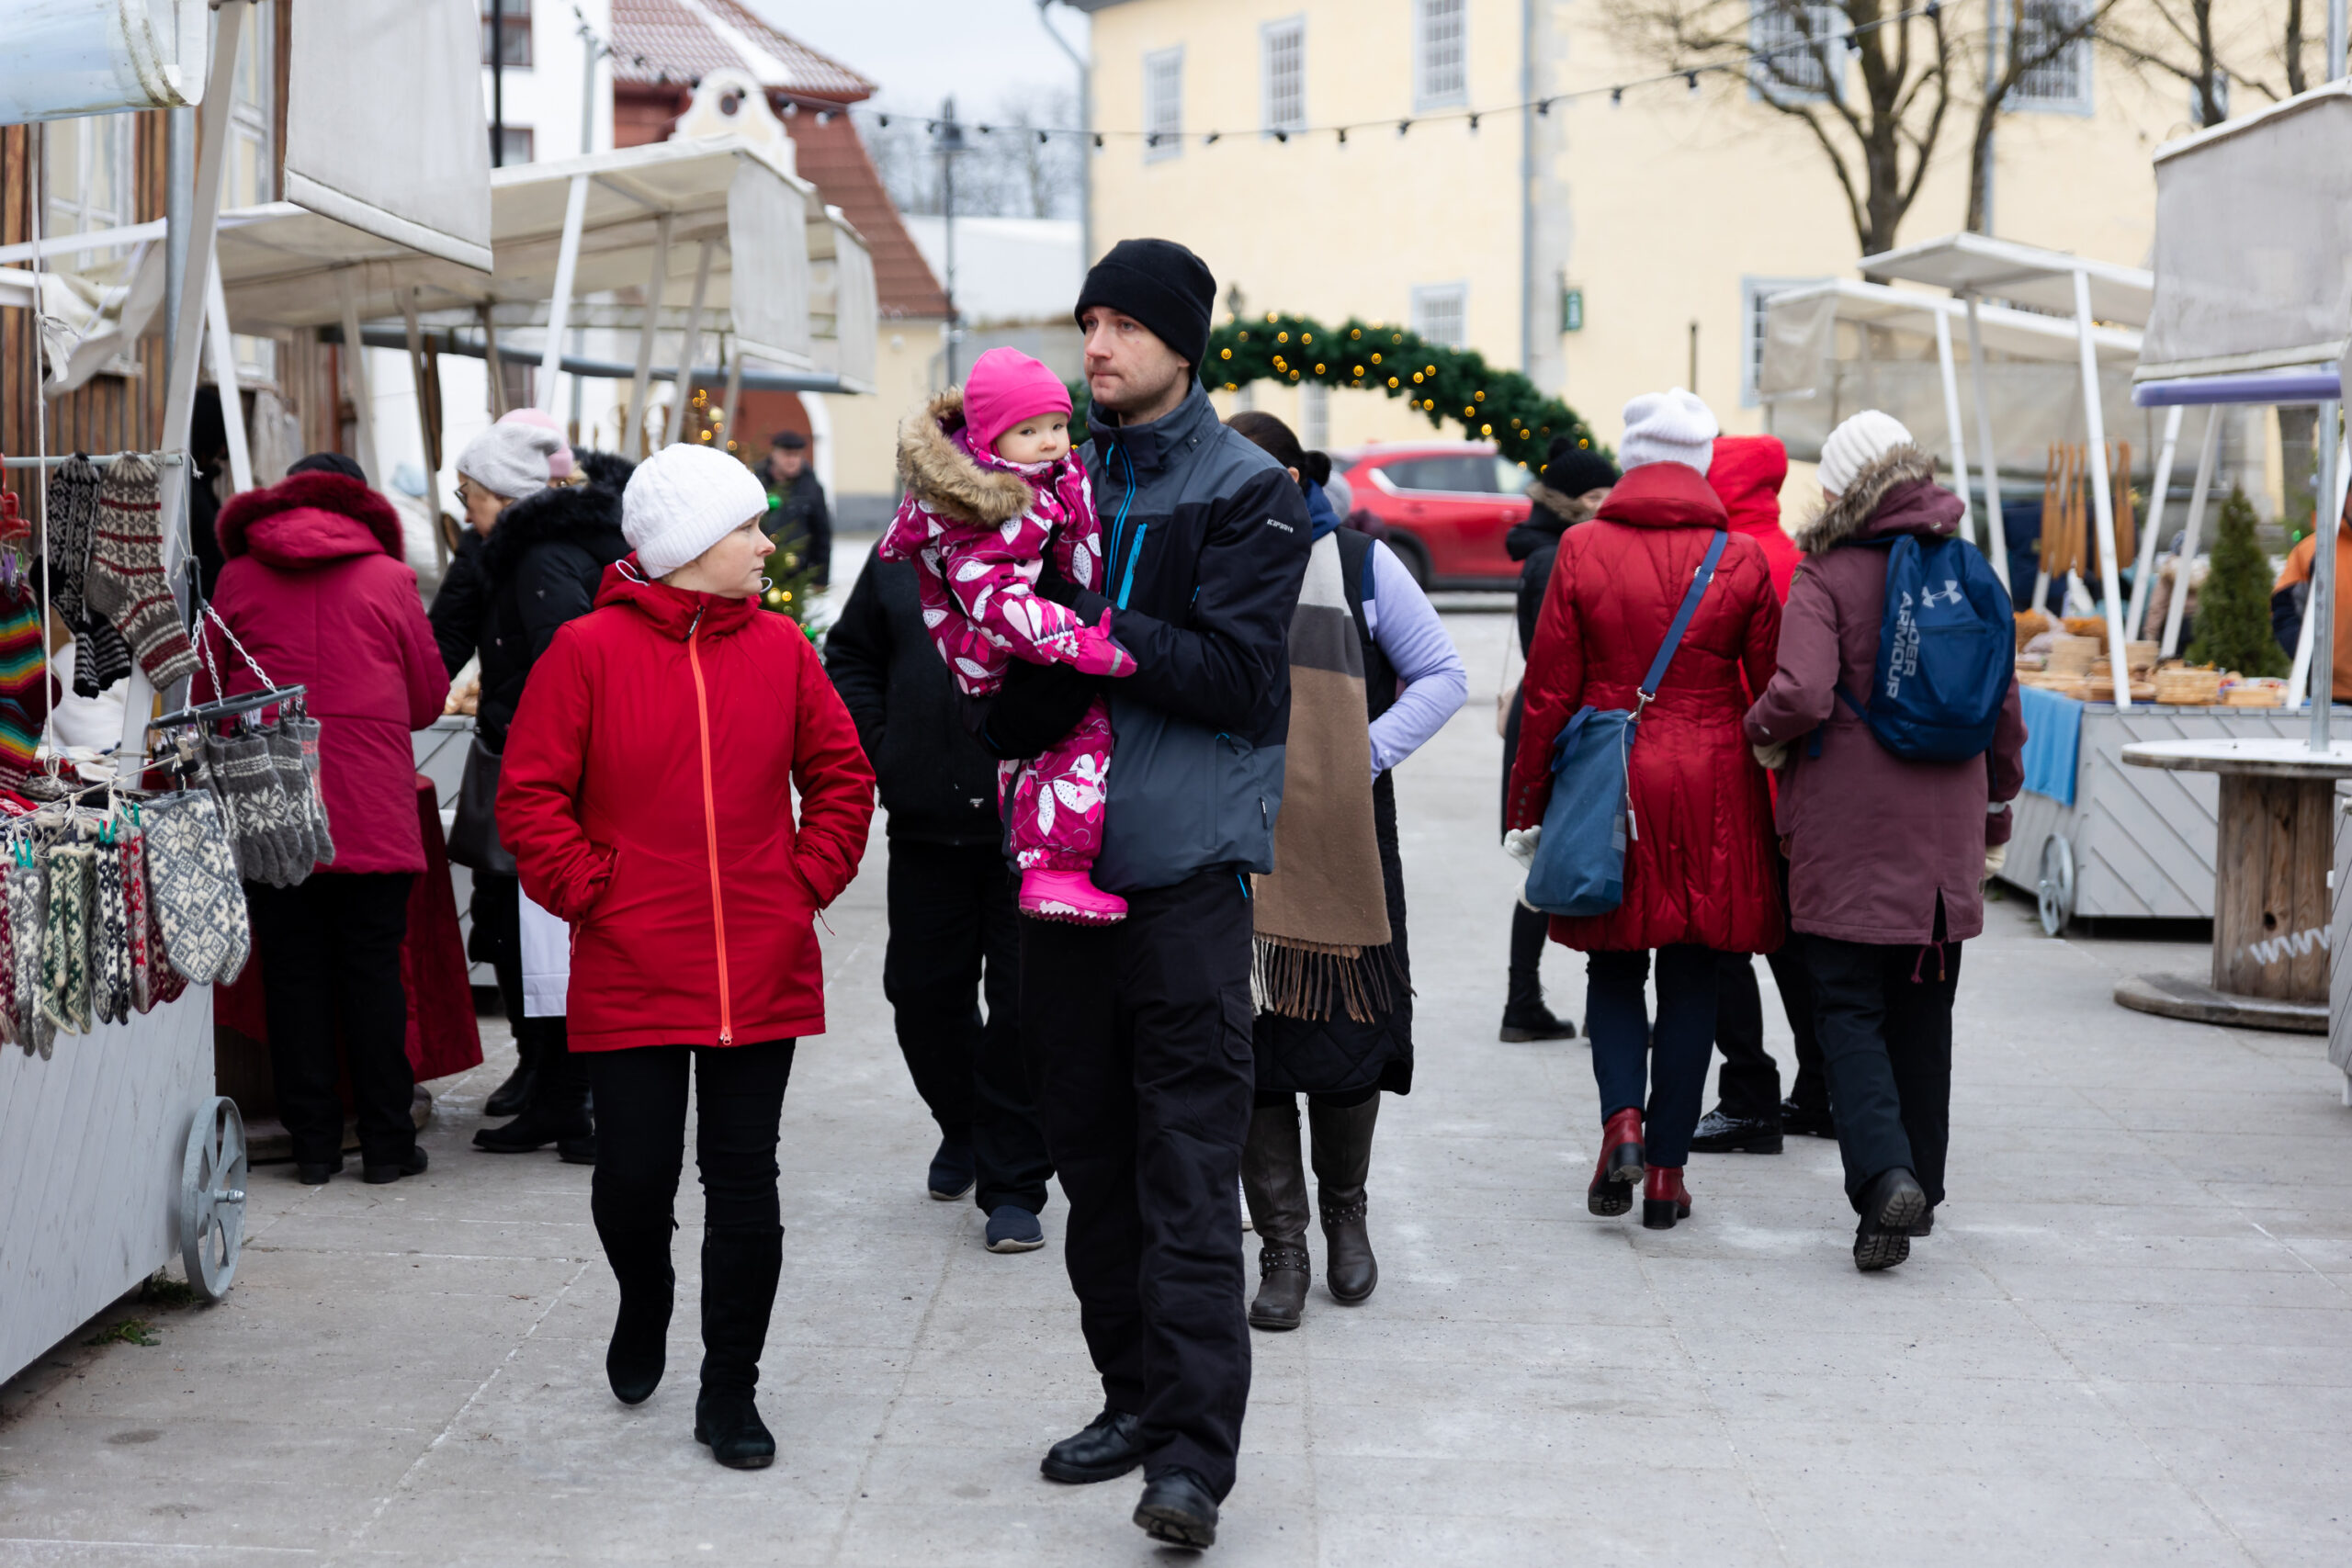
{"x": 1138, "y": 1034}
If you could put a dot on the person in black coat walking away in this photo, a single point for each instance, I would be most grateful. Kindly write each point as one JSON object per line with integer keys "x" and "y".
{"x": 955, "y": 927}
{"x": 1575, "y": 482}
{"x": 799, "y": 520}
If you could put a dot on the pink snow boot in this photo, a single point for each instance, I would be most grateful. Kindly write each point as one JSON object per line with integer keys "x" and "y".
{"x": 1068, "y": 895}
{"x": 1092, "y": 652}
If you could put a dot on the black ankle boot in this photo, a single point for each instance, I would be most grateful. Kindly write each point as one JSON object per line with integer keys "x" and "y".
{"x": 509, "y": 1098}
{"x": 740, "y": 1268}
{"x": 557, "y": 1113}
{"x": 639, "y": 1256}
{"x": 1343, "y": 1161}
{"x": 1275, "y": 1181}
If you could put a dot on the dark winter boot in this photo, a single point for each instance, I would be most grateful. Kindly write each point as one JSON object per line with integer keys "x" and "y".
{"x": 1525, "y": 1017}
{"x": 557, "y": 1113}
{"x": 639, "y": 1254}
{"x": 739, "y": 1268}
{"x": 509, "y": 1098}
{"x": 1891, "y": 1205}
{"x": 1275, "y": 1181}
{"x": 1342, "y": 1160}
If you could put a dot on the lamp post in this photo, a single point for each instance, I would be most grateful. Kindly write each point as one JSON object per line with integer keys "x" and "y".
{"x": 950, "y": 137}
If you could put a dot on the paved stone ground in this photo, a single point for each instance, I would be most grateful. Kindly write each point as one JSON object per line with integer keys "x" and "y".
{"x": 2126, "y": 1343}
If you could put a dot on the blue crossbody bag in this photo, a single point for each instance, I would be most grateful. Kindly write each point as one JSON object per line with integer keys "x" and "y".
{"x": 1581, "y": 860}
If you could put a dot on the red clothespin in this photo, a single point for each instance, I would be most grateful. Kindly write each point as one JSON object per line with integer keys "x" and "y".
{"x": 13, "y": 526}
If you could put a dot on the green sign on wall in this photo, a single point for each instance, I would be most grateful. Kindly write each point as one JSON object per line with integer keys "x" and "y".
{"x": 1571, "y": 310}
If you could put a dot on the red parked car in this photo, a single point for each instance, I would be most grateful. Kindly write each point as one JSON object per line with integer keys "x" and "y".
{"x": 1443, "y": 506}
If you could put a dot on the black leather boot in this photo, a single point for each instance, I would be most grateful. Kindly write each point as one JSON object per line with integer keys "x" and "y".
{"x": 1342, "y": 1160}
{"x": 509, "y": 1098}
{"x": 1275, "y": 1181}
{"x": 740, "y": 1268}
{"x": 639, "y": 1251}
{"x": 557, "y": 1113}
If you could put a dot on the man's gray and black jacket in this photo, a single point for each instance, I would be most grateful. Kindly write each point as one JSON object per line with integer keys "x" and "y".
{"x": 1205, "y": 540}
{"x": 539, "y": 568}
{"x": 937, "y": 783}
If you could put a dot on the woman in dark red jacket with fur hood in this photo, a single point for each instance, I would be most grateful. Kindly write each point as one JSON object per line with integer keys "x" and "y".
{"x": 1697, "y": 869}
{"x": 315, "y": 587}
{"x": 644, "y": 794}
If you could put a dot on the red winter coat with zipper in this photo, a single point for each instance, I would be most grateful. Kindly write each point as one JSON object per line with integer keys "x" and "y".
{"x": 1747, "y": 472}
{"x": 643, "y": 794}
{"x": 1697, "y": 868}
{"x": 315, "y": 589}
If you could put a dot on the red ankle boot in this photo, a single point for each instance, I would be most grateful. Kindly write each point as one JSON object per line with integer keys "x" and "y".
{"x": 1664, "y": 1198}
{"x": 1611, "y": 1191}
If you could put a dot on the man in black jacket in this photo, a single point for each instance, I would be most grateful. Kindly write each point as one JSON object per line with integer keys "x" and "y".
{"x": 953, "y": 915}
{"x": 1138, "y": 1033}
{"x": 799, "y": 520}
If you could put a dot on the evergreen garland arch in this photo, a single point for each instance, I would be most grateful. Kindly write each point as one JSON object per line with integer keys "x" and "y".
{"x": 1444, "y": 384}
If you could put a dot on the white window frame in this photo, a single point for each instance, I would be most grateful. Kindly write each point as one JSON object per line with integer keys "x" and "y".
{"x": 2032, "y": 97}
{"x": 77, "y": 211}
{"x": 1430, "y": 90}
{"x": 1163, "y": 116}
{"x": 1753, "y": 292}
{"x": 252, "y": 104}
{"x": 1273, "y": 37}
{"x": 1773, "y": 25}
{"x": 1314, "y": 415}
{"x": 1432, "y": 297}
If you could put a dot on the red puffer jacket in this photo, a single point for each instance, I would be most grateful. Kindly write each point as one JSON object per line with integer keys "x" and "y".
{"x": 643, "y": 794}
{"x": 316, "y": 591}
{"x": 1747, "y": 472}
{"x": 1699, "y": 867}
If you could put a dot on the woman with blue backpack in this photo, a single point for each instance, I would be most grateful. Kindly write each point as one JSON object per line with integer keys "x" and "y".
{"x": 1646, "y": 822}
{"x": 1894, "y": 721}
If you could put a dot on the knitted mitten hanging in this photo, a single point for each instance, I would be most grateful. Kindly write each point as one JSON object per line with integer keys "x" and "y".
{"x": 305, "y": 731}
{"x": 26, "y": 889}
{"x": 193, "y": 879}
{"x": 73, "y": 511}
{"x": 164, "y": 984}
{"x": 294, "y": 797}
{"x": 100, "y": 656}
{"x": 138, "y": 947}
{"x": 10, "y": 1033}
{"x": 109, "y": 937}
{"x": 65, "y": 941}
{"x": 246, "y": 782}
{"x": 23, "y": 684}
{"x": 126, "y": 583}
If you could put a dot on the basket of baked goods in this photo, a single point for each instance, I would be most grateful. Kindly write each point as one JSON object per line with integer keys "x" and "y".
{"x": 2189, "y": 685}
{"x": 2255, "y": 692}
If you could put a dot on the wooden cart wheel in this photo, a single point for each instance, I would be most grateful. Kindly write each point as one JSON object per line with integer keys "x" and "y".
{"x": 212, "y": 1198}
{"x": 2055, "y": 892}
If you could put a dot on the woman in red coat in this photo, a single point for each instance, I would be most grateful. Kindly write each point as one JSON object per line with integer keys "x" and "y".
{"x": 644, "y": 793}
{"x": 315, "y": 589}
{"x": 1698, "y": 867}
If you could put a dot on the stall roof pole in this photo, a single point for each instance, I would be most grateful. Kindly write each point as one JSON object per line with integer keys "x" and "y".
{"x": 353, "y": 356}
{"x": 734, "y": 391}
{"x": 642, "y": 386}
{"x": 224, "y": 376}
{"x": 2319, "y": 616}
{"x": 567, "y": 267}
{"x": 2207, "y": 452}
{"x": 1985, "y": 453}
{"x": 1952, "y": 423}
{"x": 683, "y": 394}
{"x": 2102, "y": 503}
{"x": 2142, "y": 578}
{"x": 427, "y": 420}
{"x": 491, "y": 358}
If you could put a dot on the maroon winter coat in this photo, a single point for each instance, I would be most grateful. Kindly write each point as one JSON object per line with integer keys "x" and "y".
{"x": 1873, "y": 840}
{"x": 1699, "y": 867}
{"x": 315, "y": 589}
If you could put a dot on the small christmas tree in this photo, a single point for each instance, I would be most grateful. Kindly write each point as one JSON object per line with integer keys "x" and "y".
{"x": 2234, "y": 606}
{"x": 792, "y": 586}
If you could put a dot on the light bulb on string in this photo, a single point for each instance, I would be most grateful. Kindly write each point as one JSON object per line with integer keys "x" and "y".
{"x": 1403, "y": 126}
{"x": 1616, "y": 97}
{"x": 1692, "y": 78}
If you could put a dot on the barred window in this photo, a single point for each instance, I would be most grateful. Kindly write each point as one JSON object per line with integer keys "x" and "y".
{"x": 1440, "y": 313}
{"x": 2056, "y": 75}
{"x": 1282, "y": 48}
{"x": 1163, "y": 104}
{"x": 1795, "y": 47}
{"x": 1441, "y": 38}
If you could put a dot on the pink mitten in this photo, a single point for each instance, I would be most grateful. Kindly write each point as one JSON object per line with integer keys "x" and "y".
{"x": 1097, "y": 654}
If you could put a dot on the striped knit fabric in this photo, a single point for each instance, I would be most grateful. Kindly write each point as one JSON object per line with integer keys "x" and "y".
{"x": 126, "y": 581}
{"x": 24, "y": 683}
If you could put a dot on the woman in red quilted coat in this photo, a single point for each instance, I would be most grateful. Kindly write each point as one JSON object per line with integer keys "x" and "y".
{"x": 643, "y": 792}
{"x": 1699, "y": 879}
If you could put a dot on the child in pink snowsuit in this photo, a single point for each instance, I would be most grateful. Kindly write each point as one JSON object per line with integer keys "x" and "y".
{"x": 993, "y": 492}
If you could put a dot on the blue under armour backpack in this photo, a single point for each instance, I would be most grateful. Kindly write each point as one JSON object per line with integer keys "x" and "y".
{"x": 1946, "y": 651}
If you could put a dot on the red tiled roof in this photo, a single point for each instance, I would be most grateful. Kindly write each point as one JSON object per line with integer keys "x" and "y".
{"x": 832, "y": 157}
{"x": 654, "y": 39}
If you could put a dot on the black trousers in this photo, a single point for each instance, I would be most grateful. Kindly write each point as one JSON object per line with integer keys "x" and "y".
{"x": 1138, "y": 1039}
{"x": 956, "y": 937}
{"x": 1885, "y": 1017}
{"x": 330, "y": 958}
{"x": 1749, "y": 1083}
{"x": 1670, "y": 1058}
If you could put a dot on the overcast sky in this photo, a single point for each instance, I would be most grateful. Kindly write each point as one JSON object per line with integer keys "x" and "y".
{"x": 920, "y": 50}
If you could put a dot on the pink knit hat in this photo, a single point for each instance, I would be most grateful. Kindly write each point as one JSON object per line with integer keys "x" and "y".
{"x": 559, "y": 462}
{"x": 1006, "y": 387}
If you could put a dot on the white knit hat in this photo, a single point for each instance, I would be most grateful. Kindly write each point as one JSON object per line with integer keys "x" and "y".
{"x": 1669, "y": 427}
{"x": 1856, "y": 444}
{"x": 510, "y": 458}
{"x": 682, "y": 501}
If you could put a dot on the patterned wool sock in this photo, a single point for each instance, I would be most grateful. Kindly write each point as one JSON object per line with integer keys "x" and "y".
{"x": 193, "y": 877}
{"x": 72, "y": 517}
{"x": 65, "y": 940}
{"x": 109, "y": 937}
{"x": 164, "y": 984}
{"x": 138, "y": 946}
{"x": 27, "y": 895}
{"x": 126, "y": 581}
{"x": 300, "y": 848}
{"x": 100, "y": 656}
{"x": 24, "y": 685}
{"x": 306, "y": 730}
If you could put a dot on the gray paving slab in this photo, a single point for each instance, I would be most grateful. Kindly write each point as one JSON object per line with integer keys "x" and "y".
{"x": 2125, "y": 1342}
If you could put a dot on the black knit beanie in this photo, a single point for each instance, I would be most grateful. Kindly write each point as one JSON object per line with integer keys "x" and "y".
{"x": 328, "y": 463}
{"x": 1575, "y": 471}
{"x": 1160, "y": 283}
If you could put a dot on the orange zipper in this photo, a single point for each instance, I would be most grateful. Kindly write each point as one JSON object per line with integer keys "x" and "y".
{"x": 710, "y": 833}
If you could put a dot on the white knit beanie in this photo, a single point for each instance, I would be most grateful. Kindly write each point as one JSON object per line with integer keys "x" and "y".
{"x": 682, "y": 501}
{"x": 1668, "y": 427}
{"x": 1856, "y": 444}
{"x": 509, "y": 459}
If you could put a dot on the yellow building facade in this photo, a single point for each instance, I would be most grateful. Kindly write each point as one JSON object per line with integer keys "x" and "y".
{"x": 1653, "y": 220}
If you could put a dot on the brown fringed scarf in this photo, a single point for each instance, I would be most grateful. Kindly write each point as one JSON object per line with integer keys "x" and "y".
{"x": 1322, "y": 913}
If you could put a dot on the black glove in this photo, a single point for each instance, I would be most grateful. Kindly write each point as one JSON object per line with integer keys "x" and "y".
{"x": 1037, "y": 705}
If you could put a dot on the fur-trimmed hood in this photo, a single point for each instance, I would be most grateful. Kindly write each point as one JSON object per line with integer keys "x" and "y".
{"x": 948, "y": 479}
{"x": 307, "y": 520}
{"x": 1894, "y": 493}
{"x": 588, "y": 517}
